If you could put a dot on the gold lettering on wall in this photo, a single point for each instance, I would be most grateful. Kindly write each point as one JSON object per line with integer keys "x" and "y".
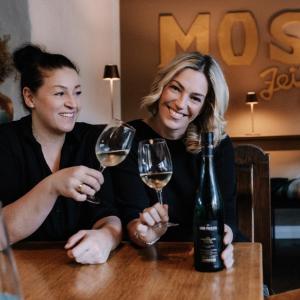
{"x": 171, "y": 33}
{"x": 225, "y": 38}
{"x": 278, "y": 81}
{"x": 284, "y": 47}
{"x": 278, "y": 31}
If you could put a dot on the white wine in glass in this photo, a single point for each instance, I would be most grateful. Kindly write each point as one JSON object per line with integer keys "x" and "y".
{"x": 156, "y": 180}
{"x": 155, "y": 167}
{"x": 111, "y": 158}
{"x": 112, "y": 146}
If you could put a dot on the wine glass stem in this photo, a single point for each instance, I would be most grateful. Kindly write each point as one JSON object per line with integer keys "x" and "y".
{"x": 159, "y": 196}
{"x": 101, "y": 168}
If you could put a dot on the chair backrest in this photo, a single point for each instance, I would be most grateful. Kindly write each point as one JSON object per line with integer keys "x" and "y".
{"x": 253, "y": 200}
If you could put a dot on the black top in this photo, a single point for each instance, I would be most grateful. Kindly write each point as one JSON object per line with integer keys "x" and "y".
{"x": 179, "y": 193}
{"x": 23, "y": 166}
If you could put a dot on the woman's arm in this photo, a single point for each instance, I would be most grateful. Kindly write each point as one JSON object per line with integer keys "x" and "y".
{"x": 26, "y": 214}
{"x": 94, "y": 246}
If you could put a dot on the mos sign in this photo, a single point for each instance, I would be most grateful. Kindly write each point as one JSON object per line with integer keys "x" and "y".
{"x": 284, "y": 48}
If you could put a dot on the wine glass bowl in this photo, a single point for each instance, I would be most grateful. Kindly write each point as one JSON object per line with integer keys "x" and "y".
{"x": 9, "y": 279}
{"x": 114, "y": 143}
{"x": 155, "y": 167}
{"x": 112, "y": 146}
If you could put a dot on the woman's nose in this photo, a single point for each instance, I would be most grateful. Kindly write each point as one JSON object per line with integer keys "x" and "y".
{"x": 71, "y": 101}
{"x": 182, "y": 101}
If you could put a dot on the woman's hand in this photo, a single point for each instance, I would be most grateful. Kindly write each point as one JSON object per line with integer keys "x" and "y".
{"x": 227, "y": 254}
{"x": 150, "y": 226}
{"x": 89, "y": 246}
{"x": 76, "y": 182}
{"x": 94, "y": 246}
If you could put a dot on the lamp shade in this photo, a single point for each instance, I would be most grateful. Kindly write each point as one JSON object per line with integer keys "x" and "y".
{"x": 251, "y": 98}
{"x": 111, "y": 72}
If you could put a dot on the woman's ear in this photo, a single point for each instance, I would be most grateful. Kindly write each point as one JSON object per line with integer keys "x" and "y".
{"x": 28, "y": 97}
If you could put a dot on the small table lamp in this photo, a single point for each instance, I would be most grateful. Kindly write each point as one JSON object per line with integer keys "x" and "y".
{"x": 251, "y": 99}
{"x": 111, "y": 73}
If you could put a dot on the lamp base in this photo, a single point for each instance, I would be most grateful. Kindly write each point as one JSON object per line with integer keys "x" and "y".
{"x": 252, "y": 134}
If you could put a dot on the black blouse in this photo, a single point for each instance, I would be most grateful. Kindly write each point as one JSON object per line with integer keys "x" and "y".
{"x": 133, "y": 195}
{"x": 23, "y": 166}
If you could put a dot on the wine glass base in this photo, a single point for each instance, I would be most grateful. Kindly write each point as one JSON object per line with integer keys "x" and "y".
{"x": 165, "y": 224}
{"x": 93, "y": 200}
{"x": 170, "y": 224}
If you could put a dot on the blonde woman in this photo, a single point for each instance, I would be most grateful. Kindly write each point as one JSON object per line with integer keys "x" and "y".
{"x": 188, "y": 96}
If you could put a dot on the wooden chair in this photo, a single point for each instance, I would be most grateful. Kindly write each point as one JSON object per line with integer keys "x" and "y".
{"x": 253, "y": 200}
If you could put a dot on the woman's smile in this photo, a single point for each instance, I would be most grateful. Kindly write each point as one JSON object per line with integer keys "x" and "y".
{"x": 175, "y": 114}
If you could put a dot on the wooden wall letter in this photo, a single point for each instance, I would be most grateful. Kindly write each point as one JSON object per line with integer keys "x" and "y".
{"x": 279, "y": 32}
{"x": 251, "y": 38}
{"x": 171, "y": 33}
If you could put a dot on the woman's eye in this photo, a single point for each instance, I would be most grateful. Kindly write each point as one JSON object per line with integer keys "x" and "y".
{"x": 78, "y": 93}
{"x": 59, "y": 94}
{"x": 174, "y": 88}
{"x": 197, "y": 99}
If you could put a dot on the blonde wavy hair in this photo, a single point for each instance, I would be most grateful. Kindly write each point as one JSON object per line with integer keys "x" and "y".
{"x": 211, "y": 116}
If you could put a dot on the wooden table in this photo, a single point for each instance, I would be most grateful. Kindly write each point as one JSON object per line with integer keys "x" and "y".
{"x": 164, "y": 271}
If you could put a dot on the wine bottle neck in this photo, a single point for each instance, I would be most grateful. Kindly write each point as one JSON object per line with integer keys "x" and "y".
{"x": 208, "y": 151}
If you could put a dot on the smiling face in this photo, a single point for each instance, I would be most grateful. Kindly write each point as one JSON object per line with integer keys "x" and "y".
{"x": 56, "y": 104}
{"x": 180, "y": 103}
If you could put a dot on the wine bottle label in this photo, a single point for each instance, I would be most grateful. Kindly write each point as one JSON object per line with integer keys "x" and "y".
{"x": 209, "y": 242}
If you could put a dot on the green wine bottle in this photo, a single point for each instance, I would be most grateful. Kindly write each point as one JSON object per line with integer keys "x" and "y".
{"x": 208, "y": 213}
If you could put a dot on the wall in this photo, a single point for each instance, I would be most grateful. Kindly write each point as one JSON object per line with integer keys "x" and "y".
{"x": 15, "y": 21}
{"x": 140, "y": 52}
{"x": 85, "y": 31}
{"x": 140, "y": 58}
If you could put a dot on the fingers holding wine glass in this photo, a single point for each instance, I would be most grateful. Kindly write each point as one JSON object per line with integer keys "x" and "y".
{"x": 76, "y": 182}
{"x": 154, "y": 215}
{"x": 163, "y": 211}
{"x": 146, "y": 233}
{"x": 86, "y": 190}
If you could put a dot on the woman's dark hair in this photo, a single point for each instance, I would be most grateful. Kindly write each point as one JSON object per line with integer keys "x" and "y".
{"x": 31, "y": 61}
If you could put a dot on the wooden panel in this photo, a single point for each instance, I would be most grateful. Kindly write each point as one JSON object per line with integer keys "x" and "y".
{"x": 271, "y": 143}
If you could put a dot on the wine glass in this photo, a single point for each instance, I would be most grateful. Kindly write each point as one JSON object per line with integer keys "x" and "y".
{"x": 9, "y": 279}
{"x": 112, "y": 146}
{"x": 155, "y": 167}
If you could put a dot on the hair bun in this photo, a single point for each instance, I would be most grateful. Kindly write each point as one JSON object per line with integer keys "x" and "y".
{"x": 26, "y": 56}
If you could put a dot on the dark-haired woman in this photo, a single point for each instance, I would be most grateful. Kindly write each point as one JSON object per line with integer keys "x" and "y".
{"x": 48, "y": 166}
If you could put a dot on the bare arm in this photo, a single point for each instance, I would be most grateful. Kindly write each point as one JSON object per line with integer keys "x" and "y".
{"x": 94, "y": 246}
{"x": 26, "y": 214}
{"x": 111, "y": 225}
